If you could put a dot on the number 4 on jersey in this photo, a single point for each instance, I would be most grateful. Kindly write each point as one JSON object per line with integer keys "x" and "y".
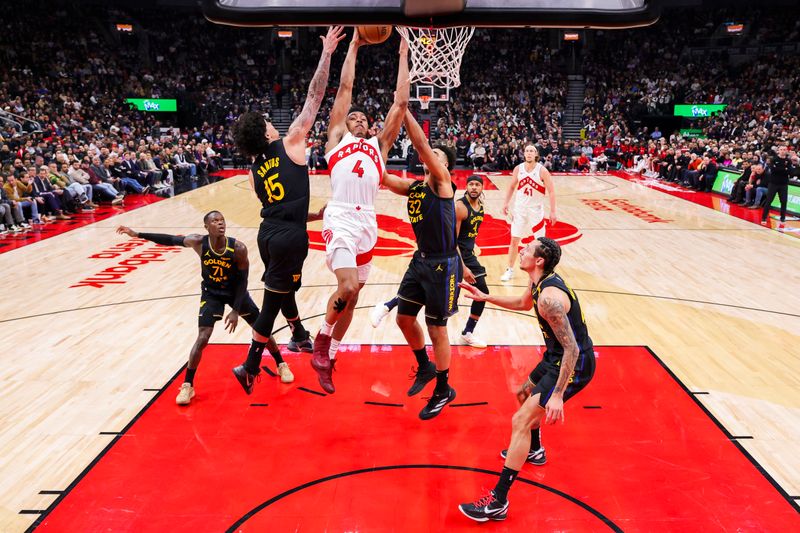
{"x": 358, "y": 169}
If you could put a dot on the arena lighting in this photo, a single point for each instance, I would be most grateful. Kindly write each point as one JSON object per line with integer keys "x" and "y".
{"x": 734, "y": 28}
{"x": 285, "y": 34}
{"x": 572, "y": 36}
{"x": 128, "y": 28}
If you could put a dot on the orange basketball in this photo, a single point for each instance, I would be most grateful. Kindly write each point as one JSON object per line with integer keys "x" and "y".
{"x": 375, "y": 34}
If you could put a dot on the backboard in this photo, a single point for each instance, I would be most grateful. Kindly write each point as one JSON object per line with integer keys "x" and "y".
{"x": 436, "y": 13}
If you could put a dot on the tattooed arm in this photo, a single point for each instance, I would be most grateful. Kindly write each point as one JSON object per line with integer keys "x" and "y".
{"x": 295, "y": 140}
{"x": 553, "y": 306}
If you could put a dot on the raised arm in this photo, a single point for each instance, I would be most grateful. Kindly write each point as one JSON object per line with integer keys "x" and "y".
{"x": 296, "y": 136}
{"x": 550, "y": 188}
{"x": 394, "y": 118}
{"x": 439, "y": 173}
{"x": 553, "y": 306}
{"x": 344, "y": 96}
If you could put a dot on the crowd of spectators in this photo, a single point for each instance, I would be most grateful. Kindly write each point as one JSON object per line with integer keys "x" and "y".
{"x": 70, "y": 79}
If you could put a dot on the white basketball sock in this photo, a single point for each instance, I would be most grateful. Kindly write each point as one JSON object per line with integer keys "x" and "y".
{"x": 333, "y": 349}
{"x": 326, "y": 328}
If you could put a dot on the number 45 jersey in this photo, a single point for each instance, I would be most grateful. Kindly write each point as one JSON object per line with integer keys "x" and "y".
{"x": 356, "y": 168}
{"x": 281, "y": 185}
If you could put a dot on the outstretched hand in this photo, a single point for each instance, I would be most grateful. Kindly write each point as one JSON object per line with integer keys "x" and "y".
{"x": 332, "y": 39}
{"x": 473, "y": 293}
{"x": 125, "y": 230}
{"x": 357, "y": 40}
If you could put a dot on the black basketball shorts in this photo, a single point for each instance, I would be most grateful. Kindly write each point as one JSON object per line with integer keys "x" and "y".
{"x": 545, "y": 376}
{"x": 212, "y": 308}
{"x": 431, "y": 281}
{"x": 283, "y": 248}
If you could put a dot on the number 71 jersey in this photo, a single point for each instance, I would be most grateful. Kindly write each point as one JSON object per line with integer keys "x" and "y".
{"x": 356, "y": 168}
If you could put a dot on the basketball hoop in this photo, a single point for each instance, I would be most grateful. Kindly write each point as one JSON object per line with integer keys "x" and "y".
{"x": 436, "y": 55}
{"x": 424, "y": 101}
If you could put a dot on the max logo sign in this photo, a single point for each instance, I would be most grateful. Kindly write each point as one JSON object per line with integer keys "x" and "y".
{"x": 396, "y": 238}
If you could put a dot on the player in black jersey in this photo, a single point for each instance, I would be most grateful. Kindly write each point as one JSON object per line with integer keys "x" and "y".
{"x": 279, "y": 177}
{"x": 566, "y": 368}
{"x": 432, "y": 278}
{"x": 224, "y": 266}
{"x": 469, "y": 216}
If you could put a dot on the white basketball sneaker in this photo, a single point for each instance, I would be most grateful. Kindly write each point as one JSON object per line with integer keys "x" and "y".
{"x": 473, "y": 340}
{"x": 378, "y": 313}
{"x": 507, "y": 275}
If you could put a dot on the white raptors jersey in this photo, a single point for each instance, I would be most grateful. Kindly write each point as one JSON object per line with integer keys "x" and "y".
{"x": 530, "y": 187}
{"x": 356, "y": 168}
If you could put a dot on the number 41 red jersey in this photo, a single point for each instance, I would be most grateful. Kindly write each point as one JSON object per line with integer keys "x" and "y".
{"x": 356, "y": 168}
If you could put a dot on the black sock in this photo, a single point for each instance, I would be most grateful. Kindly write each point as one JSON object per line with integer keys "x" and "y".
{"x": 277, "y": 356}
{"x": 536, "y": 440}
{"x": 422, "y": 357}
{"x": 299, "y": 333}
{"x": 391, "y": 304}
{"x": 253, "y": 363}
{"x": 441, "y": 380}
{"x": 471, "y": 323}
{"x": 507, "y": 477}
{"x": 190, "y": 376}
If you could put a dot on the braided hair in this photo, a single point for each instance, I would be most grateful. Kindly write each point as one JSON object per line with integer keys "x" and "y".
{"x": 550, "y": 251}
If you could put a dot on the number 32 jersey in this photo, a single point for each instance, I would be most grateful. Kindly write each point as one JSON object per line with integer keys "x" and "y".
{"x": 356, "y": 168}
{"x": 281, "y": 185}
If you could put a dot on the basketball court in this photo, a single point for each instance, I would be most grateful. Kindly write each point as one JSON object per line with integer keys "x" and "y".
{"x": 691, "y": 422}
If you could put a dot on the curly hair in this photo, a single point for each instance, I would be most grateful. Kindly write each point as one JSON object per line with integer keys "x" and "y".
{"x": 449, "y": 152}
{"x": 249, "y": 134}
{"x": 550, "y": 251}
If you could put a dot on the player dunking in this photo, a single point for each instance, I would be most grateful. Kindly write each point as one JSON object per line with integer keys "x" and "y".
{"x": 432, "y": 277}
{"x": 224, "y": 267}
{"x": 530, "y": 182}
{"x": 350, "y": 229}
{"x": 279, "y": 177}
{"x": 566, "y": 368}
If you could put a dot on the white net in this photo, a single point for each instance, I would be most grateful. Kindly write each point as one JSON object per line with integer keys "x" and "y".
{"x": 436, "y": 54}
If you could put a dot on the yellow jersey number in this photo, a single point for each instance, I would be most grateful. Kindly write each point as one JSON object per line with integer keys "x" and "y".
{"x": 414, "y": 207}
{"x": 274, "y": 188}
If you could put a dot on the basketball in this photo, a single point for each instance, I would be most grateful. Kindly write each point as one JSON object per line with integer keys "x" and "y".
{"x": 375, "y": 34}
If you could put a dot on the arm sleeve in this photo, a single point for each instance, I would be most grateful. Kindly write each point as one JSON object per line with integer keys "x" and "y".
{"x": 162, "y": 238}
{"x": 241, "y": 289}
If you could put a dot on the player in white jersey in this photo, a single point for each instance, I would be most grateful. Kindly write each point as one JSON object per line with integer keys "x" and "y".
{"x": 530, "y": 183}
{"x": 356, "y": 163}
